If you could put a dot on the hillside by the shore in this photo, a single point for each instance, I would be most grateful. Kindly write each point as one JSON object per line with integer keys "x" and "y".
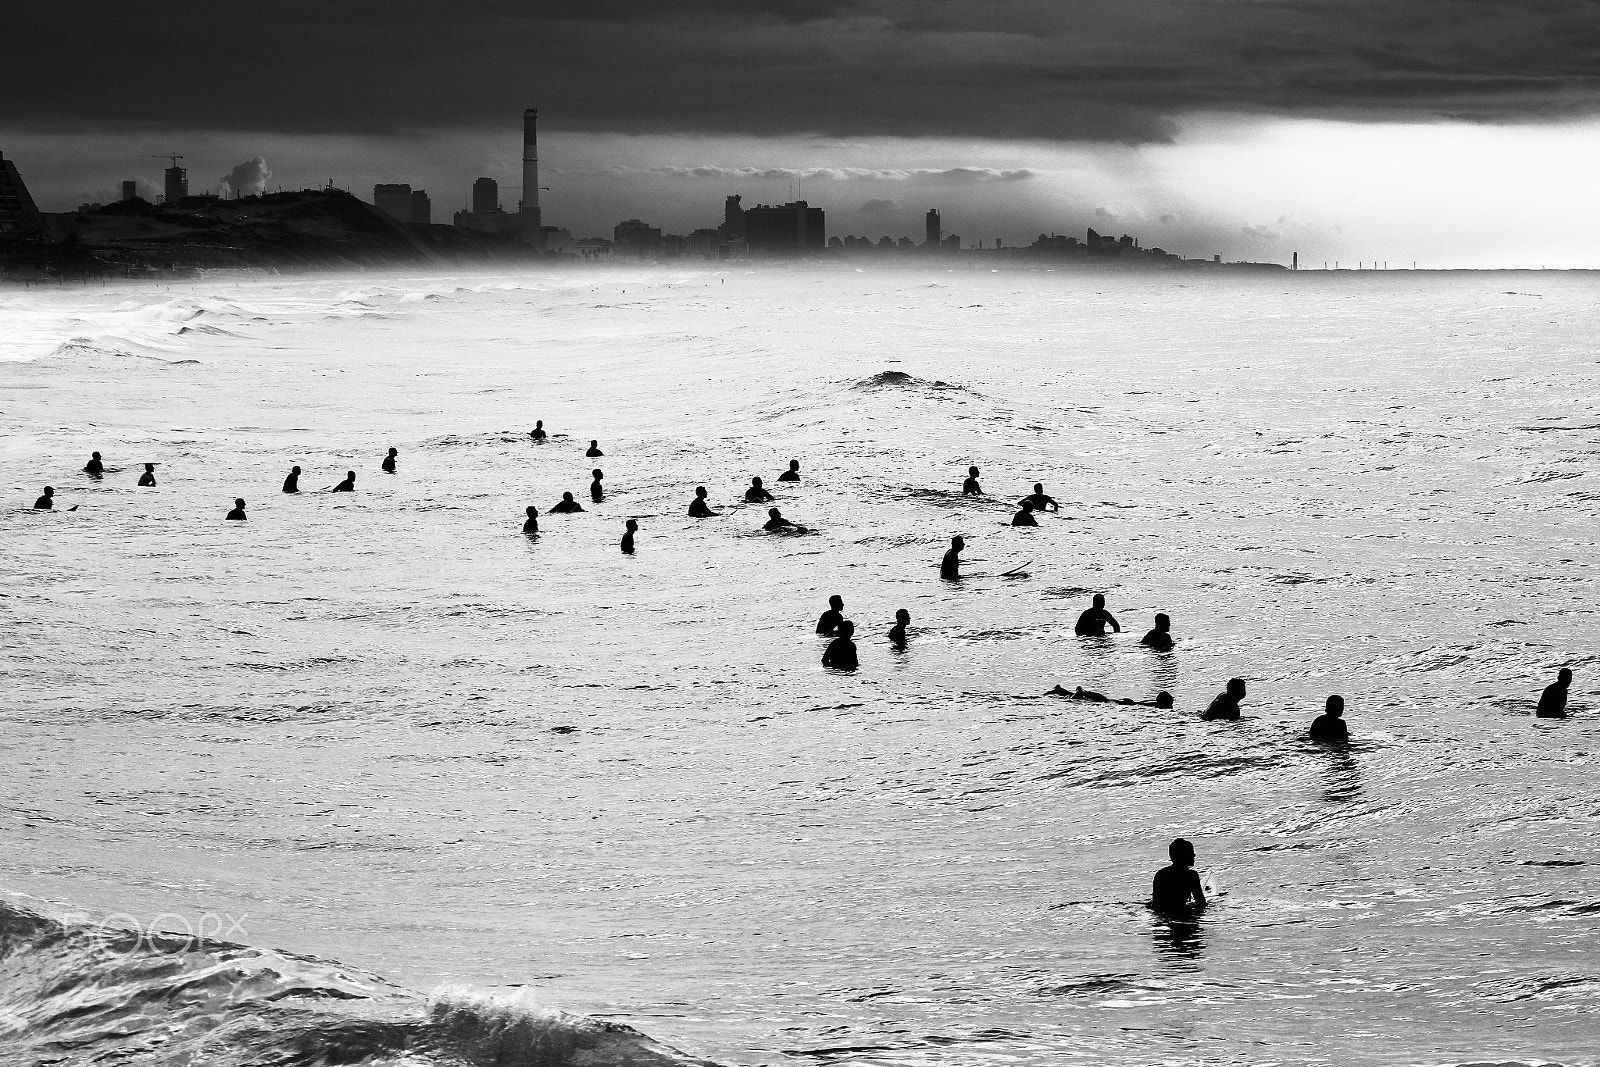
{"x": 311, "y": 229}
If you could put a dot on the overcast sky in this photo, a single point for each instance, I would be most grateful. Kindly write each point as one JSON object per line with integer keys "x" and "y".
{"x": 1451, "y": 132}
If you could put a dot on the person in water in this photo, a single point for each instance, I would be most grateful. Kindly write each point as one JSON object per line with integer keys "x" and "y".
{"x": 597, "y": 492}
{"x": 594, "y": 450}
{"x": 237, "y": 514}
{"x": 840, "y": 655}
{"x": 1177, "y": 888}
{"x": 776, "y": 522}
{"x": 897, "y": 632}
{"x": 698, "y": 508}
{"x": 566, "y": 505}
{"x": 531, "y": 526}
{"x": 148, "y": 478}
{"x": 1553, "y": 701}
{"x": 757, "y": 493}
{"x": 1160, "y": 637}
{"x": 1225, "y": 705}
{"x": 950, "y": 566}
{"x": 348, "y": 485}
{"x": 792, "y": 474}
{"x": 1163, "y": 699}
{"x": 627, "y": 537}
{"x": 970, "y": 487}
{"x": 1024, "y": 515}
{"x": 388, "y": 461}
{"x": 1040, "y": 499}
{"x": 828, "y": 624}
{"x": 1095, "y": 619}
{"x": 537, "y": 433}
{"x": 47, "y": 502}
{"x": 1329, "y": 727}
{"x": 94, "y": 468}
{"x": 291, "y": 484}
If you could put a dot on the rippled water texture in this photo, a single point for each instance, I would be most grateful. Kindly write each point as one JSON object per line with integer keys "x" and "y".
{"x": 386, "y": 729}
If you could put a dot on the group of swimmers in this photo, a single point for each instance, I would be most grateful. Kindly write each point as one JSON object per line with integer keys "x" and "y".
{"x": 1175, "y": 889}
{"x": 96, "y": 469}
{"x": 841, "y": 653}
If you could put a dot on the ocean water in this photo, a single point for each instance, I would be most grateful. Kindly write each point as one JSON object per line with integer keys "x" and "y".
{"x": 374, "y": 778}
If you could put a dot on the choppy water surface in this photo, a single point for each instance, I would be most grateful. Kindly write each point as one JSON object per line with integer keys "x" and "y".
{"x": 387, "y": 729}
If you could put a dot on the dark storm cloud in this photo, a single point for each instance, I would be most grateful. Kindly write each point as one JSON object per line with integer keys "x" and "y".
{"x": 1117, "y": 70}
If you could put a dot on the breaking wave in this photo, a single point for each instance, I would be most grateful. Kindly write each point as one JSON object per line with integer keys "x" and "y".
{"x": 899, "y": 379}
{"x": 76, "y": 993}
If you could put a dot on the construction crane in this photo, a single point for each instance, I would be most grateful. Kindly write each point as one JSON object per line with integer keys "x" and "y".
{"x": 177, "y": 180}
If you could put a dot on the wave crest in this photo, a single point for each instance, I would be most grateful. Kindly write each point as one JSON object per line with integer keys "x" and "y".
{"x": 511, "y": 1029}
{"x": 899, "y": 379}
{"x": 79, "y": 993}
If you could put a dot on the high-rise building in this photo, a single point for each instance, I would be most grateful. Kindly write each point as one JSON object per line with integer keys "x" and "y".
{"x": 732, "y": 219}
{"x": 421, "y": 208}
{"x": 393, "y": 200}
{"x": 19, "y": 216}
{"x": 785, "y": 230}
{"x": 636, "y": 237}
{"x": 485, "y": 196}
{"x": 486, "y": 216}
{"x": 130, "y": 190}
{"x": 176, "y": 186}
{"x": 933, "y": 231}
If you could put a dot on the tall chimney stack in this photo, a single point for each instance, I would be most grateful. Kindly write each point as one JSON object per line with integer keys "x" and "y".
{"x": 530, "y": 177}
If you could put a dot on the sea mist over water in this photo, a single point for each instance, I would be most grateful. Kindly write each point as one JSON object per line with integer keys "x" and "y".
{"x": 387, "y": 730}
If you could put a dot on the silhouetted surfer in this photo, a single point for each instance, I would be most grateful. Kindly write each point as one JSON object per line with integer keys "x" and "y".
{"x": 237, "y": 514}
{"x": 1163, "y": 699}
{"x": 970, "y": 487}
{"x": 348, "y": 485}
{"x": 950, "y": 566}
{"x": 1225, "y": 705}
{"x": 594, "y": 450}
{"x": 1040, "y": 500}
{"x": 1095, "y": 619}
{"x": 1159, "y": 638}
{"x": 388, "y": 461}
{"x": 897, "y": 632}
{"x": 1177, "y": 888}
{"x": 757, "y": 493}
{"x": 627, "y": 537}
{"x": 47, "y": 502}
{"x": 531, "y": 526}
{"x": 1553, "y": 701}
{"x": 777, "y": 523}
{"x": 1329, "y": 727}
{"x": 792, "y": 474}
{"x": 566, "y": 505}
{"x": 698, "y": 508}
{"x": 1024, "y": 515}
{"x": 291, "y": 484}
{"x": 148, "y": 478}
{"x": 94, "y": 468}
{"x": 828, "y": 624}
{"x": 840, "y": 654}
{"x": 597, "y": 492}
{"x": 537, "y": 433}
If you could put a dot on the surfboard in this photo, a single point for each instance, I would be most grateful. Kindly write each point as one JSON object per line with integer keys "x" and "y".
{"x": 1018, "y": 571}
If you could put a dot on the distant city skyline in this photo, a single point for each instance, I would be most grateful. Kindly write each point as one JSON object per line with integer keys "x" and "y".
{"x": 1454, "y": 133}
